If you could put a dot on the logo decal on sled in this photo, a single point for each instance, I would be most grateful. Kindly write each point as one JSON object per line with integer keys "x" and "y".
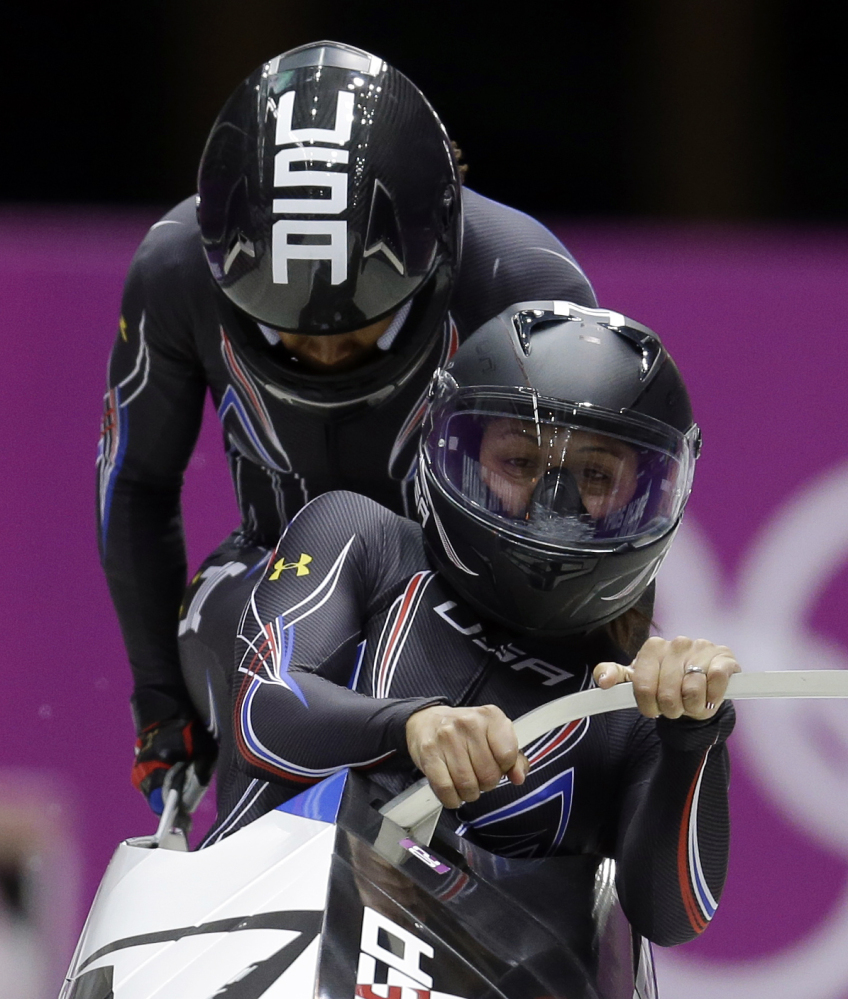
{"x": 306, "y": 924}
{"x": 398, "y": 964}
{"x": 418, "y": 851}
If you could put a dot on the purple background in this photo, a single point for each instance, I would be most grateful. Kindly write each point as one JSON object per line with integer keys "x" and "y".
{"x": 754, "y": 318}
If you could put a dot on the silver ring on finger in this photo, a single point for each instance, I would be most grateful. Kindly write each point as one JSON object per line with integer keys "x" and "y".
{"x": 695, "y": 669}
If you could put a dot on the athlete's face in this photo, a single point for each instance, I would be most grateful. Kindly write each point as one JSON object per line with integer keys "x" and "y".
{"x": 515, "y": 454}
{"x": 338, "y": 351}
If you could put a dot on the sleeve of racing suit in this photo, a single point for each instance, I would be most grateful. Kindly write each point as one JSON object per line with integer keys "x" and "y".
{"x": 674, "y": 827}
{"x": 296, "y": 720}
{"x": 152, "y": 413}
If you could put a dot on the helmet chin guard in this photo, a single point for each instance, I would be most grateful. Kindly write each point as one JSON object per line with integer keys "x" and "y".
{"x": 556, "y": 461}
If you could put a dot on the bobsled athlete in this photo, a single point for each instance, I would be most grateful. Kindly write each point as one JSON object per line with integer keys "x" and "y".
{"x": 330, "y": 262}
{"x": 556, "y": 459}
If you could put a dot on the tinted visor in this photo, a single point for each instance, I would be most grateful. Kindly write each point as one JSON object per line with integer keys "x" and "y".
{"x": 564, "y": 474}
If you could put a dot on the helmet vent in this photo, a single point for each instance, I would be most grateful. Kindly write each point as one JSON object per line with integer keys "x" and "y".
{"x": 645, "y": 342}
{"x": 330, "y": 54}
{"x": 383, "y": 235}
{"x": 527, "y": 322}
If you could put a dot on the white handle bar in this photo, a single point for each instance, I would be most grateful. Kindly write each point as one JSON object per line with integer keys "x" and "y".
{"x": 418, "y": 805}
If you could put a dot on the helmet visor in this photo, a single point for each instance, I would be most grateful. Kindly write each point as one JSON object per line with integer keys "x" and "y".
{"x": 568, "y": 475}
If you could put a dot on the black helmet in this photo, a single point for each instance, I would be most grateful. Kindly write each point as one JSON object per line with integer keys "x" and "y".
{"x": 329, "y": 196}
{"x": 556, "y": 459}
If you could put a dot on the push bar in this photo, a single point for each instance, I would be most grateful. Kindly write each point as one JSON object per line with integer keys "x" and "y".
{"x": 417, "y": 808}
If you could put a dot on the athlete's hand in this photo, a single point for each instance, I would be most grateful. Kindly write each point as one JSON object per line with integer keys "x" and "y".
{"x": 160, "y": 746}
{"x": 464, "y": 751}
{"x": 684, "y": 677}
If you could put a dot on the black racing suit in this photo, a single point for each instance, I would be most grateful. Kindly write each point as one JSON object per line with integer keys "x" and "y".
{"x": 346, "y": 631}
{"x": 173, "y": 345}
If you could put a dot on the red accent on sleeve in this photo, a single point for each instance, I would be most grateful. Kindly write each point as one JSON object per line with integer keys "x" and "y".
{"x": 696, "y": 919}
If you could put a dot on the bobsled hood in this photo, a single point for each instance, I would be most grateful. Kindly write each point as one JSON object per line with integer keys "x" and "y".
{"x": 324, "y": 896}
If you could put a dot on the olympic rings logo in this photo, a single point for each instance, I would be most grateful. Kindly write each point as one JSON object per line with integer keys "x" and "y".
{"x": 764, "y": 620}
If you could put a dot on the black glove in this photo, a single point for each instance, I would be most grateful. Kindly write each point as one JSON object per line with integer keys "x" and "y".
{"x": 161, "y": 745}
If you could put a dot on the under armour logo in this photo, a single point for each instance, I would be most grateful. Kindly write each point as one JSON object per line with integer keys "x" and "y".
{"x": 300, "y": 565}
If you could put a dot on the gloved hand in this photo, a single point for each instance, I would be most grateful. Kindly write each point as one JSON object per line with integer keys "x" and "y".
{"x": 163, "y": 744}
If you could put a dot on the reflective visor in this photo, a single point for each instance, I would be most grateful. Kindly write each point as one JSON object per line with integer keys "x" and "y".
{"x": 564, "y": 474}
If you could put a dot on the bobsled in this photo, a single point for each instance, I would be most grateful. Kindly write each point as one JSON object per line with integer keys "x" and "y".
{"x": 343, "y": 892}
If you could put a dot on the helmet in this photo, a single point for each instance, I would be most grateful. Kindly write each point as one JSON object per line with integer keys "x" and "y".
{"x": 329, "y": 196}
{"x": 556, "y": 459}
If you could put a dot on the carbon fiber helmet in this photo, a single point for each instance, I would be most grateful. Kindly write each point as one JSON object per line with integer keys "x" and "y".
{"x": 556, "y": 459}
{"x": 328, "y": 199}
